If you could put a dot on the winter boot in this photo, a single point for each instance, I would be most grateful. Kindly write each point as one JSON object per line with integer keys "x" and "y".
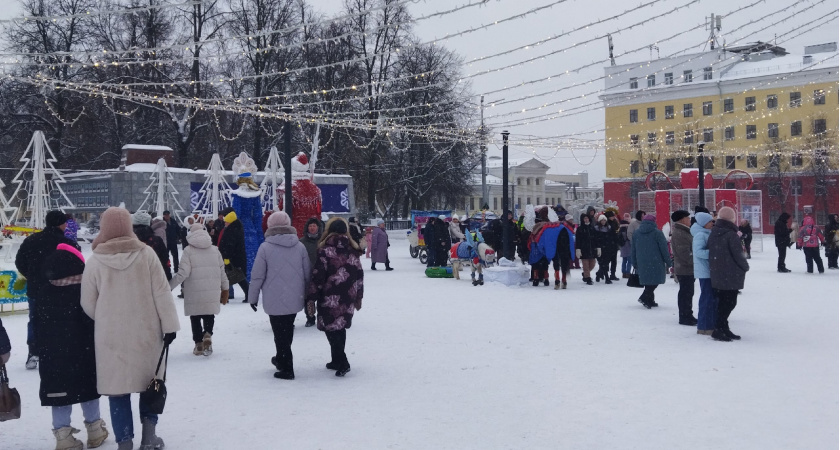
{"x": 645, "y": 302}
{"x": 199, "y": 349}
{"x": 64, "y": 439}
{"x": 126, "y": 445}
{"x": 373, "y": 266}
{"x": 689, "y": 320}
{"x": 607, "y": 280}
{"x": 332, "y": 365}
{"x": 613, "y": 277}
{"x": 31, "y": 362}
{"x": 481, "y": 279}
{"x": 285, "y": 375}
{"x": 588, "y": 280}
{"x": 597, "y": 277}
{"x": 150, "y": 440}
{"x": 563, "y": 285}
{"x": 96, "y": 433}
{"x": 720, "y": 335}
{"x": 208, "y": 344}
{"x": 731, "y": 335}
{"x": 310, "y": 321}
{"x": 556, "y": 285}
{"x": 342, "y": 371}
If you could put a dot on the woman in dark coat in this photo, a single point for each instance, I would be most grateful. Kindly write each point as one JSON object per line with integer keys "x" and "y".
{"x": 65, "y": 344}
{"x": 140, "y": 224}
{"x": 443, "y": 242}
{"x": 831, "y": 248}
{"x": 649, "y": 256}
{"x": 781, "y": 230}
{"x": 586, "y": 247}
{"x": 232, "y": 247}
{"x": 336, "y": 289}
{"x": 728, "y": 269}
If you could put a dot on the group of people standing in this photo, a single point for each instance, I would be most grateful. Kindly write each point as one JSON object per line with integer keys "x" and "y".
{"x": 808, "y": 237}
{"x": 99, "y": 326}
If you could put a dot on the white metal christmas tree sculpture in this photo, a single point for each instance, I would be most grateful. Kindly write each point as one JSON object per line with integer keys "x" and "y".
{"x": 39, "y": 182}
{"x": 161, "y": 195}
{"x": 7, "y": 211}
{"x": 214, "y": 195}
{"x": 273, "y": 180}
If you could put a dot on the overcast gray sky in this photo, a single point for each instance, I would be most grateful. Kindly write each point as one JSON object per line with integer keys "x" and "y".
{"x": 567, "y": 16}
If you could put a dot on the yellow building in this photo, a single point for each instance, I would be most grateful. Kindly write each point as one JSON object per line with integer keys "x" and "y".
{"x": 750, "y": 106}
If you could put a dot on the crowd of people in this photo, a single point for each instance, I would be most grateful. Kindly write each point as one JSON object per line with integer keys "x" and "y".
{"x": 101, "y": 326}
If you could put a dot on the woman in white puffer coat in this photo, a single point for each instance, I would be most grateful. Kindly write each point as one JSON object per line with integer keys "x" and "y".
{"x": 202, "y": 270}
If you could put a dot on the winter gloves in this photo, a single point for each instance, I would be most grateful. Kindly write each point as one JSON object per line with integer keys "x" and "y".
{"x": 254, "y": 307}
{"x": 577, "y": 253}
{"x": 223, "y": 299}
{"x": 168, "y": 338}
{"x": 358, "y": 304}
{"x": 227, "y": 262}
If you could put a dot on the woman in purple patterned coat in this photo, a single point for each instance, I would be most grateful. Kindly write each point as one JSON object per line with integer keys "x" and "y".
{"x": 336, "y": 288}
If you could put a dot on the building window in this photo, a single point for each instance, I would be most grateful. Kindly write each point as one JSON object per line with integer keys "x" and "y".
{"x": 651, "y": 138}
{"x": 796, "y": 128}
{"x": 687, "y": 76}
{"x": 795, "y": 99}
{"x": 634, "y": 115}
{"x": 819, "y": 126}
{"x": 752, "y": 161}
{"x": 472, "y": 203}
{"x": 772, "y": 101}
{"x": 537, "y": 181}
{"x": 796, "y": 160}
{"x": 495, "y": 203}
{"x": 669, "y": 112}
{"x": 773, "y": 130}
{"x": 652, "y": 164}
{"x": 709, "y": 162}
{"x": 707, "y": 73}
{"x": 796, "y": 186}
{"x": 730, "y": 162}
{"x": 728, "y": 105}
{"x": 669, "y": 78}
{"x": 634, "y": 83}
{"x": 538, "y": 201}
{"x": 634, "y": 139}
{"x": 519, "y": 201}
{"x": 688, "y": 109}
{"x": 707, "y": 108}
{"x": 527, "y": 200}
{"x": 708, "y": 135}
{"x": 774, "y": 189}
{"x": 729, "y": 133}
{"x": 651, "y": 113}
{"x": 670, "y": 165}
{"x": 527, "y": 181}
{"x": 634, "y": 166}
{"x": 688, "y": 162}
{"x": 669, "y": 137}
{"x": 751, "y": 132}
{"x": 750, "y": 104}
{"x": 651, "y": 79}
{"x": 688, "y": 138}
{"x": 819, "y": 97}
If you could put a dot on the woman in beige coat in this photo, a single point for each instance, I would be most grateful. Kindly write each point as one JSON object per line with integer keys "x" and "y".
{"x": 125, "y": 292}
{"x": 202, "y": 270}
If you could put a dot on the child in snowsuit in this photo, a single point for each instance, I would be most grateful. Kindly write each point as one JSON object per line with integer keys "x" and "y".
{"x": 809, "y": 240}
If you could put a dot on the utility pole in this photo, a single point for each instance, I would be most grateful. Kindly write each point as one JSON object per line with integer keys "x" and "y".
{"x": 701, "y": 187}
{"x": 483, "y": 159}
{"x": 714, "y": 27}
{"x": 287, "y": 159}
{"x": 505, "y": 200}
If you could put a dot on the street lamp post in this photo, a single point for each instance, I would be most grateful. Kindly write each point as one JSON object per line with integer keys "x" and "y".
{"x": 505, "y": 200}
{"x": 287, "y": 159}
{"x": 701, "y": 186}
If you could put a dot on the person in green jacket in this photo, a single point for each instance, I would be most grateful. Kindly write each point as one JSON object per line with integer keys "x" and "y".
{"x": 649, "y": 256}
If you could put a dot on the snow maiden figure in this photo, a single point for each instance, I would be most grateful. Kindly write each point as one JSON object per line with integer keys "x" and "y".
{"x": 248, "y": 207}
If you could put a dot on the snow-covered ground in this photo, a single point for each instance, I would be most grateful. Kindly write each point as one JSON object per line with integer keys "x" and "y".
{"x": 438, "y": 363}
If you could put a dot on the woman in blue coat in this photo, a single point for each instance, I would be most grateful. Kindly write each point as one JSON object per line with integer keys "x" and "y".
{"x": 707, "y": 304}
{"x": 649, "y": 256}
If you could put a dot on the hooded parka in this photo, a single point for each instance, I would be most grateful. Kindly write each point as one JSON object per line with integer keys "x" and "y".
{"x": 202, "y": 271}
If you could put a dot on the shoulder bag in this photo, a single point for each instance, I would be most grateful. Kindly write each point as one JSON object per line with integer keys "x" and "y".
{"x": 154, "y": 397}
{"x": 9, "y": 398}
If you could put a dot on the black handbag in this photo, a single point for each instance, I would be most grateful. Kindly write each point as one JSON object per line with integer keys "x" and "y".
{"x": 633, "y": 280}
{"x": 234, "y": 274}
{"x": 9, "y": 398}
{"x": 154, "y": 397}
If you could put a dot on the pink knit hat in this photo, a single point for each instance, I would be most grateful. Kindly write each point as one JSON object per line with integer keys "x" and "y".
{"x": 727, "y": 213}
{"x": 115, "y": 222}
{"x": 650, "y": 217}
{"x": 278, "y": 219}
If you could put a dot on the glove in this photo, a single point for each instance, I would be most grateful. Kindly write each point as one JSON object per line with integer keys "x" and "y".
{"x": 254, "y": 307}
{"x": 358, "y": 304}
{"x": 223, "y": 299}
{"x": 598, "y": 252}
{"x": 577, "y": 253}
{"x": 168, "y": 338}
{"x": 227, "y": 262}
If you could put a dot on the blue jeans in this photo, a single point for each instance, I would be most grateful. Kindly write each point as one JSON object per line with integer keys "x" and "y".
{"x": 61, "y": 414}
{"x": 706, "y": 306}
{"x": 626, "y": 267}
{"x": 121, "y": 418}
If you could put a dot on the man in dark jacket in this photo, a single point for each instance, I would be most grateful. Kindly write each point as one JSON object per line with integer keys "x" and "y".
{"x": 429, "y": 240}
{"x": 140, "y": 223}
{"x": 218, "y": 226}
{"x": 173, "y": 236}
{"x": 30, "y": 257}
{"x": 728, "y": 268}
{"x": 442, "y": 240}
{"x": 612, "y": 255}
{"x": 310, "y": 240}
{"x": 681, "y": 243}
{"x": 232, "y": 248}
{"x": 781, "y": 230}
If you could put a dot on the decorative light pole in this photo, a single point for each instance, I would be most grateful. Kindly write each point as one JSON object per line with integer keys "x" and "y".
{"x": 701, "y": 184}
{"x": 505, "y": 201}
{"x": 287, "y": 159}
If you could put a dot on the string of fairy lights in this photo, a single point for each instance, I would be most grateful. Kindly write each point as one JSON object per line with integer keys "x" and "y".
{"x": 448, "y": 130}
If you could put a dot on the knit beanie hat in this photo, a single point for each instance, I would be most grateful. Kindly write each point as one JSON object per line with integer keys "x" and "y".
{"x": 196, "y": 227}
{"x": 602, "y": 217}
{"x": 141, "y": 218}
{"x": 278, "y": 219}
{"x": 379, "y": 221}
{"x": 56, "y": 218}
{"x": 230, "y": 217}
{"x": 66, "y": 261}
{"x": 728, "y": 214}
{"x": 702, "y": 218}
{"x": 569, "y": 217}
{"x": 650, "y": 217}
{"x": 115, "y": 222}
{"x": 338, "y": 227}
{"x": 679, "y": 214}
